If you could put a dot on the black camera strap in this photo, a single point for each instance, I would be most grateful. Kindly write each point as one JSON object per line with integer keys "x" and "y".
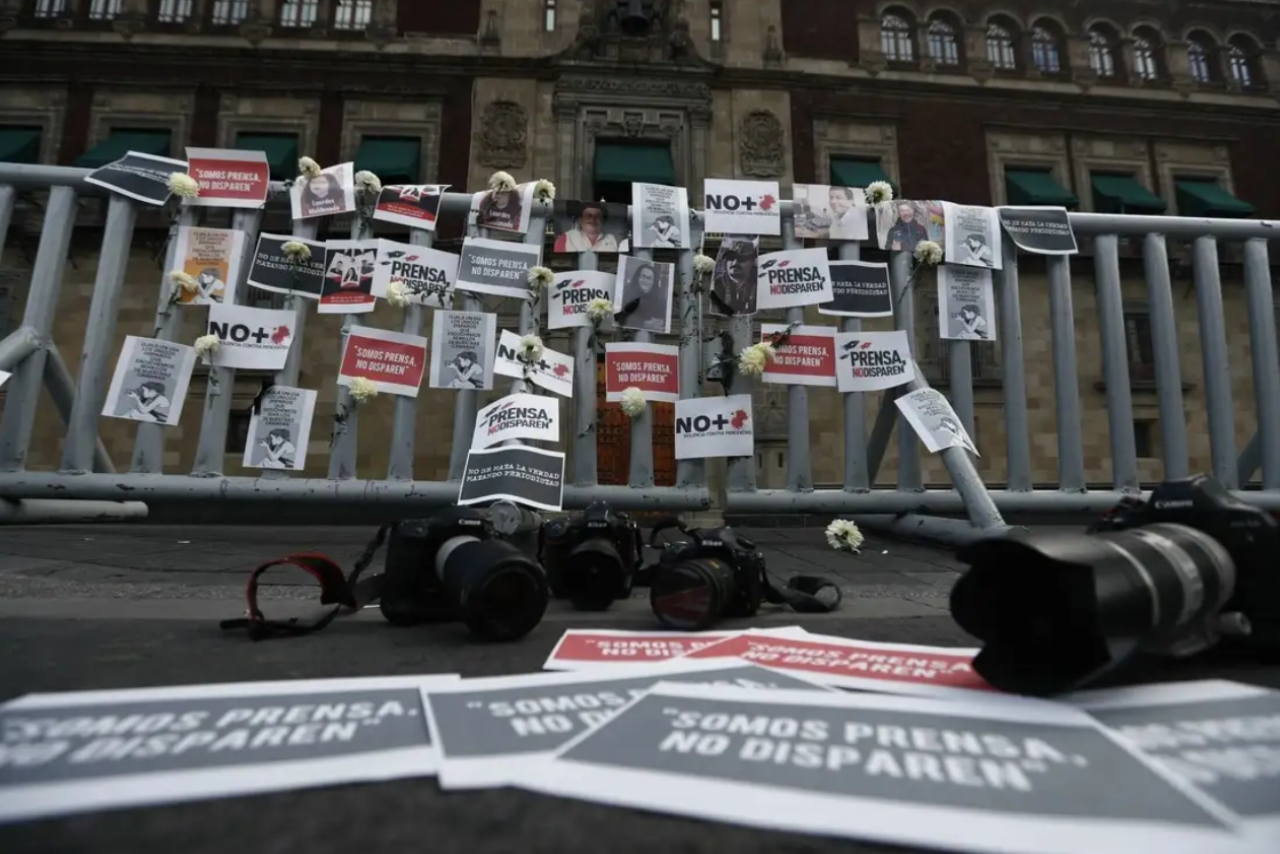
{"x": 805, "y": 594}
{"x": 347, "y": 594}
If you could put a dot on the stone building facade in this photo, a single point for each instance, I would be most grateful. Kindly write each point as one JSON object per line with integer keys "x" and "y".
{"x": 958, "y": 100}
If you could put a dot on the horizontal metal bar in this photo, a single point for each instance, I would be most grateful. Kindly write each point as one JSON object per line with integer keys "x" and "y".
{"x": 943, "y": 501}
{"x": 17, "y": 345}
{"x": 42, "y": 511}
{"x": 932, "y": 529}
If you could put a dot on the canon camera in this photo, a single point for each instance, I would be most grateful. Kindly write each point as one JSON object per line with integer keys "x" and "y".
{"x": 713, "y": 574}
{"x": 591, "y": 558}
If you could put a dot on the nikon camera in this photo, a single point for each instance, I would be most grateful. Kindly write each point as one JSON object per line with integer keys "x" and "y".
{"x": 454, "y": 567}
{"x": 714, "y": 574}
{"x": 591, "y": 559}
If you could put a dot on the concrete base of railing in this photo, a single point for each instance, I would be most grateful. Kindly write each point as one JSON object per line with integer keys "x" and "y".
{"x": 43, "y": 511}
{"x": 955, "y": 533}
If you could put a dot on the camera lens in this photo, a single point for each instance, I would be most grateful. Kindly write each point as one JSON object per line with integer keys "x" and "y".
{"x": 594, "y": 575}
{"x": 1058, "y": 610}
{"x": 500, "y": 594}
{"x": 690, "y": 595}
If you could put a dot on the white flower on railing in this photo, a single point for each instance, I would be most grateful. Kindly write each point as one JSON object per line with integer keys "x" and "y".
{"x": 367, "y": 181}
{"x": 206, "y": 346}
{"x": 878, "y": 192}
{"x": 362, "y": 390}
{"x": 182, "y": 283}
{"x": 502, "y": 182}
{"x": 540, "y": 278}
{"x": 544, "y": 190}
{"x": 397, "y": 294}
{"x": 530, "y": 348}
{"x": 599, "y": 309}
{"x": 633, "y": 402}
{"x": 753, "y": 360}
{"x": 296, "y": 251}
{"x": 183, "y": 185}
{"x": 928, "y": 253}
{"x": 308, "y": 168}
{"x": 844, "y": 536}
{"x": 703, "y": 264}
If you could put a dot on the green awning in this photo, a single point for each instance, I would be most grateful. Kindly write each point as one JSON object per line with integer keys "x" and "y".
{"x": 120, "y": 142}
{"x": 281, "y": 150}
{"x": 19, "y": 145}
{"x": 1028, "y": 187}
{"x": 1203, "y": 197}
{"x": 1116, "y": 194}
{"x": 858, "y": 173}
{"x": 634, "y": 164}
{"x": 395, "y": 160}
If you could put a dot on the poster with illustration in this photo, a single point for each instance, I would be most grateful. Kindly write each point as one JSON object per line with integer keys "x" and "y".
{"x": 645, "y": 291}
{"x": 331, "y": 192}
{"x": 276, "y": 270}
{"x": 212, "y": 257}
{"x": 4, "y": 378}
{"x": 902, "y": 224}
{"x": 280, "y": 429}
{"x": 823, "y": 212}
{"x": 733, "y": 280}
{"x": 600, "y": 227}
{"x": 930, "y": 414}
{"x": 572, "y": 295}
{"x": 973, "y": 236}
{"x": 966, "y": 303}
{"x": 427, "y": 275}
{"x": 412, "y": 205}
{"x": 659, "y": 217}
{"x": 505, "y": 210}
{"x": 348, "y": 277}
{"x": 463, "y": 349}
{"x": 150, "y": 382}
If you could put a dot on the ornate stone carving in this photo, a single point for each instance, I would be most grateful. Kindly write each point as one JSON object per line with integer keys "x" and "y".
{"x": 632, "y": 123}
{"x": 504, "y": 135}
{"x": 762, "y": 151}
{"x": 681, "y": 90}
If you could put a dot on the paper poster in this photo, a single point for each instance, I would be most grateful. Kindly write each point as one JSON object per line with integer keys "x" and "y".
{"x": 742, "y": 207}
{"x": 966, "y": 304}
{"x": 150, "y": 381}
{"x": 280, "y": 429}
{"x": 873, "y": 361}
{"x": 733, "y": 280}
{"x": 902, "y": 224}
{"x": 485, "y": 727}
{"x": 414, "y": 205}
{"x": 645, "y": 292}
{"x": 552, "y": 371}
{"x": 532, "y": 417}
{"x": 141, "y": 177}
{"x": 211, "y": 256}
{"x": 659, "y": 217}
{"x": 348, "y": 279}
{"x": 4, "y": 377}
{"x": 600, "y": 227}
{"x": 277, "y": 271}
{"x": 964, "y": 775}
{"x": 823, "y": 212}
{"x": 331, "y": 192}
{"x": 392, "y": 361}
{"x": 95, "y": 750}
{"x": 498, "y": 267}
{"x": 652, "y": 368}
{"x": 808, "y": 357}
{"x": 859, "y": 289}
{"x": 571, "y": 294}
{"x": 793, "y": 277}
{"x": 529, "y": 476}
{"x": 930, "y": 414}
{"x": 505, "y": 210}
{"x": 463, "y": 349}
{"x": 714, "y": 427}
{"x": 426, "y": 274}
{"x": 1039, "y": 230}
{"x": 600, "y": 649}
{"x": 256, "y": 339}
{"x": 228, "y": 177}
{"x": 972, "y": 236}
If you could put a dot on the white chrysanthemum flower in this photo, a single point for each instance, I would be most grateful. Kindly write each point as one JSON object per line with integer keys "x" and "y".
{"x": 183, "y": 282}
{"x": 207, "y": 345}
{"x": 531, "y": 348}
{"x": 540, "y": 277}
{"x": 183, "y": 185}
{"x": 633, "y": 402}
{"x": 544, "y": 190}
{"x": 843, "y": 535}
{"x": 878, "y": 192}
{"x": 307, "y": 167}
{"x": 502, "y": 182}
{"x": 599, "y": 309}
{"x": 753, "y": 360}
{"x": 362, "y": 389}
{"x": 296, "y": 251}
{"x": 928, "y": 253}
{"x": 397, "y": 294}
{"x": 367, "y": 181}
{"x": 703, "y": 264}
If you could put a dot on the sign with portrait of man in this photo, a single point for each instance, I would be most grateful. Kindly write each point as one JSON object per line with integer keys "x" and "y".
{"x": 733, "y": 282}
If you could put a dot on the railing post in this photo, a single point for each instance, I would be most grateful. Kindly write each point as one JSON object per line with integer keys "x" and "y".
{"x": 1013, "y": 372}
{"x": 904, "y": 317}
{"x": 640, "y": 470}
{"x": 467, "y": 401}
{"x": 8, "y": 200}
{"x": 1266, "y": 373}
{"x": 799, "y": 465}
{"x": 530, "y": 324}
{"x": 960, "y": 381}
{"x": 1115, "y": 362}
{"x": 586, "y": 471}
{"x": 404, "y": 425}
{"x": 1217, "y": 370}
{"x": 1066, "y": 380}
{"x": 690, "y": 473}
{"x": 62, "y": 391}
{"x": 857, "y": 477}
{"x": 346, "y": 437}
{"x": 1166, "y": 353}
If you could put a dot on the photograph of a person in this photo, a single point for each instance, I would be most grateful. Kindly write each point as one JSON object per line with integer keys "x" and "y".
{"x": 147, "y": 402}
{"x": 350, "y": 269}
{"x": 330, "y": 192}
{"x": 733, "y": 282}
{"x": 465, "y": 371}
{"x": 902, "y": 229}
{"x": 278, "y": 450}
{"x": 646, "y": 292}
{"x": 848, "y": 216}
{"x": 968, "y": 324}
{"x": 503, "y": 210}
{"x": 663, "y": 233}
{"x": 977, "y": 252}
{"x": 589, "y": 227}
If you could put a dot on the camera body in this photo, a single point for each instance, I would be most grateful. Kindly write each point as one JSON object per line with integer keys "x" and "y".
{"x": 716, "y": 573}
{"x": 412, "y": 593}
{"x": 591, "y": 558}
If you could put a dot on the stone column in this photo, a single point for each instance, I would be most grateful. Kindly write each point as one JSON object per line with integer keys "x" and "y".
{"x": 870, "y": 56}
{"x": 975, "y": 51}
{"x": 566, "y": 179}
{"x": 1076, "y": 60}
{"x": 1179, "y": 65}
{"x": 699, "y": 140}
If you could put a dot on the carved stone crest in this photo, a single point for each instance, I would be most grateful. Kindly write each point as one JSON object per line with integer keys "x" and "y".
{"x": 504, "y": 135}
{"x": 763, "y": 150}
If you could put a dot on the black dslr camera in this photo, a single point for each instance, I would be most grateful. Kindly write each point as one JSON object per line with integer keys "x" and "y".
{"x": 454, "y": 567}
{"x": 591, "y": 559}
{"x": 714, "y": 574}
{"x": 1170, "y": 576}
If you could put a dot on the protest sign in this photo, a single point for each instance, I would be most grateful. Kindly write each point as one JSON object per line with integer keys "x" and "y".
{"x": 150, "y": 381}
{"x": 733, "y": 279}
{"x": 1039, "y": 230}
{"x": 141, "y": 177}
{"x": 211, "y": 256}
{"x": 571, "y": 294}
{"x": 505, "y": 210}
{"x": 4, "y": 377}
{"x": 792, "y": 278}
{"x": 714, "y": 427}
{"x": 972, "y": 236}
{"x": 1024, "y": 777}
{"x": 331, "y": 192}
{"x": 652, "y": 368}
{"x": 392, "y": 361}
{"x": 275, "y": 270}
{"x": 966, "y": 304}
{"x": 498, "y": 267}
{"x": 552, "y": 371}
{"x": 74, "y": 753}
{"x": 859, "y": 289}
{"x": 742, "y": 207}
{"x": 586, "y": 226}
{"x": 930, "y": 414}
{"x": 256, "y": 339}
{"x": 228, "y": 177}
{"x": 872, "y": 361}
{"x": 645, "y": 291}
{"x": 823, "y": 212}
{"x": 659, "y": 217}
{"x": 414, "y": 205}
{"x": 529, "y": 476}
{"x": 462, "y": 349}
{"x": 280, "y": 429}
{"x": 594, "y": 649}
{"x": 807, "y": 357}
{"x": 485, "y": 727}
{"x": 427, "y": 275}
{"x": 347, "y": 287}
{"x": 517, "y": 416}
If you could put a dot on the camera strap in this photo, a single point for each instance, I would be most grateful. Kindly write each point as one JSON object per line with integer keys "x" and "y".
{"x": 348, "y": 594}
{"x": 805, "y": 594}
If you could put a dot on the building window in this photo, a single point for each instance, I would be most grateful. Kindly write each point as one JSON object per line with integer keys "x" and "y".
{"x": 104, "y": 10}
{"x": 227, "y": 13}
{"x": 1139, "y": 345}
{"x": 1199, "y": 50}
{"x": 352, "y": 14}
{"x": 944, "y": 47}
{"x": 1146, "y": 438}
{"x": 896, "y": 41}
{"x": 1241, "y": 62}
{"x": 1044, "y": 49}
{"x": 50, "y": 8}
{"x": 1102, "y": 52}
{"x": 549, "y": 16}
{"x": 299, "y": 13}
{"x": 237, "y": 432}
{"x": 1000, "y": 47}
{"x": 717, "y": 22}
{"x": 174, "y": 11}
{"x": 1146, "y": 55}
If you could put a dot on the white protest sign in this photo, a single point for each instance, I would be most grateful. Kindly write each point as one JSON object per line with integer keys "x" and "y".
{"x": 570, "y": 297}
{"x": 394, "y": 362}
{"x": 807, "y": 357}
{"x": 792, "y": 278}
{"x": 517, "y": 416}
{"x": 280, "y": 429}
{"x": 659, "y": 217}
{"x": 594, "y": 649}
{"x": 714, "y": 427}
{"x": 462, "y": 349}
{"x": 966, "y": 304}
{"x": 930, "y": 414}
{"x": 4, "y": 377}
{"x": 873, "y": 361}
{"x": 498, "y": 267}
{"x": 150, "y": 381}
{"x": 250, "y": 338}
{"x": 742, "y": 207}
{"x": 972, "y": 236}
{"x": 427, "y": 275}
{"x": 551, "y": 370}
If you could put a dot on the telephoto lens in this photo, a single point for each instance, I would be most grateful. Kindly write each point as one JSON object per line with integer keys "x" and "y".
{"x": 691, "y": 595}
{"x": 591, "y": 558}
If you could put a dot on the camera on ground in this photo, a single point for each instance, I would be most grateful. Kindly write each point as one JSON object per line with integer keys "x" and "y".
{"x": 711, "y": 575}
{"x": 591, "y": 558}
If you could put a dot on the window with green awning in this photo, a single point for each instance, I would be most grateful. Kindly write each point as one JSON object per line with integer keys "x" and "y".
{"x": 281, "y": 150}
{"x": 1205, "y": 197}
{"x": 394, "y": 159}
{"x": 1037, "y": 187}
{"x": 1123, "y": 194}
{"x": 617, "y": 163}
{"x": 859, "y": 172}
{"x": 123, "y": 140}
{"x": 20, "y": 144}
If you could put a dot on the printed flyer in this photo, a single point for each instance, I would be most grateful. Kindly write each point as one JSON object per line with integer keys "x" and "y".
{"x": 150, "y": 381}
{"x": 930, "y": 414}
{"x": 347, "y": 287}
{"x": 529, "y": 476}
{"x": 463, "y": 349}
{"x": 714, "y": 427}
{"x": 742, "y": 207}
{"x": 279, "y": 272}
{"x": 414, "y": 205}
{"x": 792, "y": 278}
{"x": 229, "y": 178}
{"x": 141, "y": 177}
{"x": 427, "y": 275}
{"x": 966, "y": 304}
{"x": 256, "y": 339}
{"x": 498, "y": 267}
{"x": 570, "y": 296}
{"x": 873, "y": 361}
{"x": 211, "y": 256}
{"x": 392, "y": 361}
{"x": 531, "y": 417}
{"x": 659, "y": 217}
{"x": 552, "y": 371}
{"x": 331, "y": 192}
{"x": 860, "y": 289}
{"x": 808, "y": 356}
{"x": 652, "y": 368}
{"x": 280, "y": 429}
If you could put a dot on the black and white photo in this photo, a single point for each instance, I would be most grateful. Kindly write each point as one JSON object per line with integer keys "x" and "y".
{"x": 141, "y": 177}
{"x": 659, "y": 217}
{"x": 1039, "y": 230}
{"x": 972, "y": 236}
{"x": 733, "y": 281}
{"x": 462, "y": 349}
{"x": 150, "y": 381}
{"x": 505, "y": 210}
{"x": 331, "y": 192}
{"x": 600, "y": 227}
{"x": 966, "y": 303}
{"x": 645, "y": 290}
{"x": 276, "y": 270}
{"x": 280, "y": 429}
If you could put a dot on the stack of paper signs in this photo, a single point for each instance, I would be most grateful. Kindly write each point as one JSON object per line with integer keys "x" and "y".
{"x": 779, "y": 729}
